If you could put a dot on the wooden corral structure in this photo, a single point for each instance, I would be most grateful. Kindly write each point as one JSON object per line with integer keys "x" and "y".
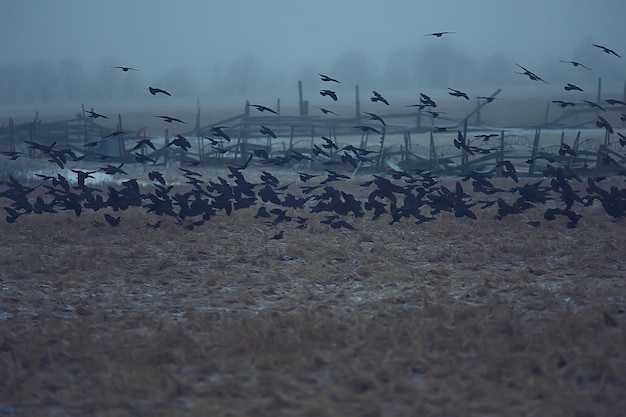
{"x": 406, "y": 140}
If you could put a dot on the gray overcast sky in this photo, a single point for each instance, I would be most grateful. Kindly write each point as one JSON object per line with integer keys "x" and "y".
{"x": 288, "y": 36}
{"x": 150, "y": 33}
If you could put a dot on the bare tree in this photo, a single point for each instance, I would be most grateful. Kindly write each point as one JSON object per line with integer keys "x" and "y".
{"x": 43, "y": 77}
{"x": 243, "y": 75}
{"x": 12, "y": 79}
{"x": 72, "y": 78}
{"x": 354, "y": 67}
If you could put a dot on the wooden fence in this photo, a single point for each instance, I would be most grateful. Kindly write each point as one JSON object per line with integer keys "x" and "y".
{"x": 405, "y": 140}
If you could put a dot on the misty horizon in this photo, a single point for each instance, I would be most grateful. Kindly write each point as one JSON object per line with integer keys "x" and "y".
{"x": 63, "y": 51}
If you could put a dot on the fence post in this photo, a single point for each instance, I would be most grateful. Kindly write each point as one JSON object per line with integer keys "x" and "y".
{"x": 358, "y": 105}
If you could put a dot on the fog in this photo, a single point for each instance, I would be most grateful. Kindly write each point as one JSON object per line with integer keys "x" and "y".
{"x": 63, "y": 50}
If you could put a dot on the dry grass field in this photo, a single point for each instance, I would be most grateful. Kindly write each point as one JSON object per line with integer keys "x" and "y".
{"x": 453, "y": 317}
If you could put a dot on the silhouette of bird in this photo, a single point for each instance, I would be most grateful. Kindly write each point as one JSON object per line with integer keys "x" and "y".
{"x": 613, "y": 102}
{"x": 377, "y": 97}
{"x": 304, "y": 177}
{"x": 155, "y": 91}
{"x": 427, "y": 101}
{"x": 263, "y": 108}
{"x": 144, "y": 142}
{"x": 267, "y": 131}
{"x": 329, "y": 144}
{"x": 113, "y": 221}
{"x": 602, "y": 122}
{"x": 565, "y": 149}
{"x": 170, "y": 119}
{"x": 564, "y": 103}
{"x": 181, "y": 142}
{"x": 366, "y": 129}
{"x": 439, "y": 34}
{"x": 112, "y": 169}
{"x": 219, "y": 131}
{"x": 486, "y": 137}
{"x": 530, "y": 74}
{"x": 326, "y": 78}
{"x": 575, "y": 63}
{"x": 156, "y": 176}
{"x": 326, "y": 111}
{"x": 570, "y": 87}
{"x": 509, "y": 170}
{"x": 488, "y": 98}
{"x": 13, "y": 155}
{"x": 126, "y": 69}
{"x": 607, "y": 50}
{"x": 338, "y": 224}
{"x": 83, "y": 175}
{"x": 116, "y": 133}
{"x": 457, "y": 93}
{"x": 329, "y": 93}
{"x": 592, "y": 104}
{"x": 434, "y": 114}
{"x": 95, "y": 115}
{"x": 278, "y": 235}
{"x": 374, "y": 116}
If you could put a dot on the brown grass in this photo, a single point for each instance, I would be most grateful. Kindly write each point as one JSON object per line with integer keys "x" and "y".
{"x": 449, "y": 318}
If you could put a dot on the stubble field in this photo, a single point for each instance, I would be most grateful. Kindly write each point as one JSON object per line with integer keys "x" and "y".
{"x": 452, "y": 317}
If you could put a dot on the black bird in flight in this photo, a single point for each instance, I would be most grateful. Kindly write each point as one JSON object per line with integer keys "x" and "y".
{"x": 439, "y": 34}
{"x": 427, "y": 101}
{"x": 607, "y": 50}
{"x": 434, "y": 114}
{"x": 592, "y": 104}
{"x": 95, "y": 115}
{"x": 217, "y": 131}
{"x": 326, "y": 78}
{"x": 113, "y": 221}
{"x": 564, "y": 103}
{"x": 326, "y": 111}
{"x": 366, "y": 129}
{"x": 126, "y": 69}
{"x": 612, "y": 102}
{"x": 144, "y": 142}
{"x": 263, "y": 108}
{"x": 170, "y": 119}
{"x": 570, "y": 87}
{"x": 457, "y": 93}
{"x": 181, "y": 142}
{"x": 116, "y": 133}
{"x": 155, "y": 91}
{"x": 377, "y": 97}
{"x": 576, "y": 64}
{"x": 267, "y": 131}
{"x": 374, "y": 116}
{"x": 329, "y": 93}
{"x": 602, "y": 122}
{"x": 278, "y": 235}
{"x": 530, "y": 74}
{"x": 329, "y": 143}
{"x": 13, "y": 155}
{"x": 488, "y": 98}
{"x": 509, "y": 170}
{"x": 486, "y": 137}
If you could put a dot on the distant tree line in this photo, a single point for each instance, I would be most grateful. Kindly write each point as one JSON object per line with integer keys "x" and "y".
{"x": 437, "y": 65}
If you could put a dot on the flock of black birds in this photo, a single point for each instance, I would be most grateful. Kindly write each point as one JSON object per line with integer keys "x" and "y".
{"x": 398, "y": 195}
